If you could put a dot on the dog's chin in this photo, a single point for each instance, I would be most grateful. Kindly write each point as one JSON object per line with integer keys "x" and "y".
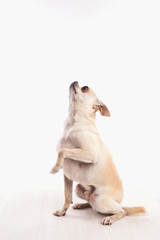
{"x": 73, "y": 90}
{"x": 72, "y": 95}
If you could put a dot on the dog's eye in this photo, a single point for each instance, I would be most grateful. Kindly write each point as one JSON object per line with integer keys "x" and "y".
{"x": 85, "y": 89}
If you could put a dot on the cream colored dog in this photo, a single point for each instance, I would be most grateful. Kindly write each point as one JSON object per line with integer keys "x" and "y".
{"x": 85, "y": 159}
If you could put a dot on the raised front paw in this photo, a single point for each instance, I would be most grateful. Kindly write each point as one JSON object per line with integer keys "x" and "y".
{"x": 55, "y": 169}
{"x": 60, "y": 213}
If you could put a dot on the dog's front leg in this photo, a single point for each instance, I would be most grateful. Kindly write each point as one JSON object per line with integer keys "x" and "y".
{"x": 76, "y": 154}
{"x": 59, "y": 162}
{"x": 68, "y": 197}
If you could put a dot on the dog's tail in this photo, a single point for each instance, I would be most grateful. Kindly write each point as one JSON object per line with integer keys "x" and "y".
{"x": 134, "y": 210}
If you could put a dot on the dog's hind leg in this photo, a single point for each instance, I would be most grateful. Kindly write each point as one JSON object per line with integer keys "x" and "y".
{"x": 80, "y": 190}
{"x": 83, "y": 193}
{"x": 111, "y": 219}
{"x": 81, "y": 205}
{"x": 107, "y": 205}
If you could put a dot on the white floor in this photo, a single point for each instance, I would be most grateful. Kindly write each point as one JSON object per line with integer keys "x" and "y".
{"x": 28, "y": 216}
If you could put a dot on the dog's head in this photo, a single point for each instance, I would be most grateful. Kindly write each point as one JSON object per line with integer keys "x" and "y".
{"x": 85, "y": 101}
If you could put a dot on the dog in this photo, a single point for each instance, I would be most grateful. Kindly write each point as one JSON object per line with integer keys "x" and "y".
{"x": 86, "y": 160}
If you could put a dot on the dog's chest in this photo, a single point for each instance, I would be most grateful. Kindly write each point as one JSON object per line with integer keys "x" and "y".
{"x": 76, "y": 171}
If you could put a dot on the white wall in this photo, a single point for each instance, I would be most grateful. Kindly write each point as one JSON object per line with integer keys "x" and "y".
{"x": 112, "y": 46}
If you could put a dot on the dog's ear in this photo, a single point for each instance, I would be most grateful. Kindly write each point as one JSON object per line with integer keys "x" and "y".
{"x": 102, "y": 108}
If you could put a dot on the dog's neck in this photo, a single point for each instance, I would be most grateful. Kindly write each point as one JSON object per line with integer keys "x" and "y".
{"x": 75, "y": 116}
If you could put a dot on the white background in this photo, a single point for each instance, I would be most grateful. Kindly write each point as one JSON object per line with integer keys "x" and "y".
{"x": 112, "y": 46}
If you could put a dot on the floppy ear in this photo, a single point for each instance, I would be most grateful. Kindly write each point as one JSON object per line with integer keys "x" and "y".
{"x": 102, "y": 108}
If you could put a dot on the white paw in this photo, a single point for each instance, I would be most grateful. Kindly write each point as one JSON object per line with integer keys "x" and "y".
{"x": 107, "y": 221}
{"x": 60, "y": 213}
{"x": 77, "y": 206}
{"x": 55, "y": 169}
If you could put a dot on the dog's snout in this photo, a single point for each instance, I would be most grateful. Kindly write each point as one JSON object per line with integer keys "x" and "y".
{"x": 74, "y": 83}
{"x": 73, "y": 86}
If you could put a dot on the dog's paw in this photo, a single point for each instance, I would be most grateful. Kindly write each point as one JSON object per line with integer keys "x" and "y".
{"x": 77, "y": 206}
{"x": 59, "y": 213}
{"x": 55, "y": 169}
{"x": 107, "y": 221}
{"x": 81, "y": 205}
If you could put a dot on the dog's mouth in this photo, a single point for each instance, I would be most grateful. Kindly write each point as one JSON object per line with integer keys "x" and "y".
{"x": 72, "y": 86}
{"x": 74, "y": 89}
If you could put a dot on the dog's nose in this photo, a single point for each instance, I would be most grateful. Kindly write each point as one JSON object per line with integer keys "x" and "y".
{"x": 74, "y": 83}
{"x": 73, "y": 86}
